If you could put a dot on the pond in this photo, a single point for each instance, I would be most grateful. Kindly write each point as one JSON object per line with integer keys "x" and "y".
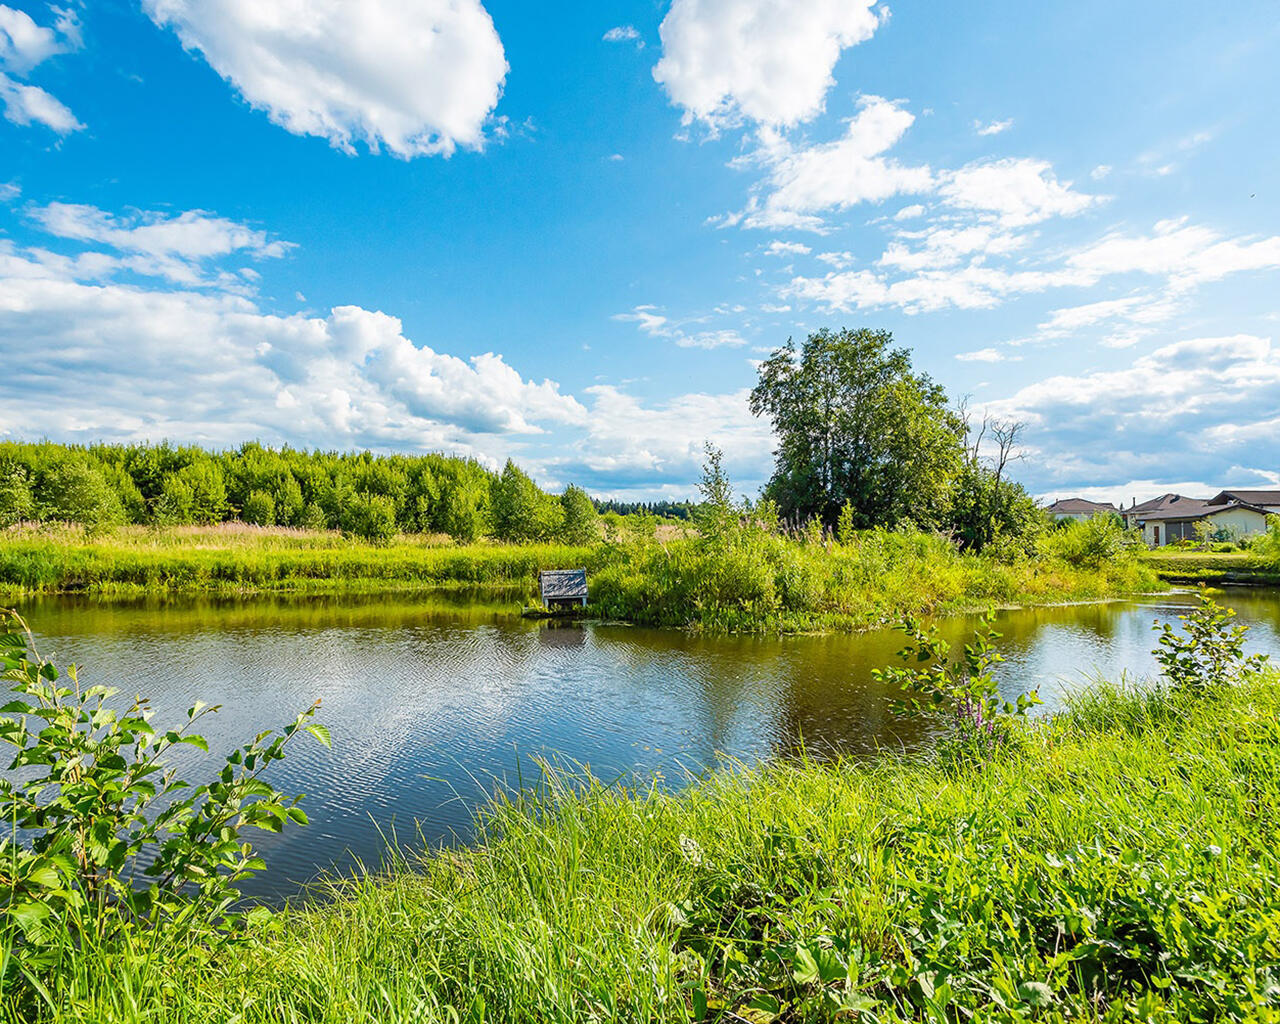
{"x": 432, "y": 700}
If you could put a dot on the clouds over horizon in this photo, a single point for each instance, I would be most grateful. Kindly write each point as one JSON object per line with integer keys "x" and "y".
{"x": 1202, "y": 408}
{"x": 414, "y": 79}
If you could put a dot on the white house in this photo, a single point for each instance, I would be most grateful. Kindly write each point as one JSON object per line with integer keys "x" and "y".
{"x": 1179, "y": 520}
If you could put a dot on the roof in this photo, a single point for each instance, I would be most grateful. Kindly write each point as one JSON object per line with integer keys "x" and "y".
{"x": 1246, "y": 497}
{"x": 1203, "y": 512}
{"x": 1067, "y": 506}
{"x": 1166, "y": 501}
{"x": 561, "y": 584}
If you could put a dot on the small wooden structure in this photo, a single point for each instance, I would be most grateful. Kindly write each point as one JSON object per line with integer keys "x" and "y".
{"x": 563, "y": 588}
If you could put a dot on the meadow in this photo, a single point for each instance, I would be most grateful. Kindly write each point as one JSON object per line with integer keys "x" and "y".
{"x": 746, "y": 578}
{"x": 1117, "y": 862}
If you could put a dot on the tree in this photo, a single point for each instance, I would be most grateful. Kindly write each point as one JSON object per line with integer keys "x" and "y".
{"x": 522, "y": 512}
{"x": 371, "y": 517}
{"x": 716, "y": 515}
{"x": 77, "y": 492}
{"x": 581, "y": 524}
{"x": 259, "y": 509}
{"x": 985, "y": 504}
{"x": 857, "y": 426}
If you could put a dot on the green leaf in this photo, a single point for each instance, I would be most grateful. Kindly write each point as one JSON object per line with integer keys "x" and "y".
{"x": 1036, "y": 993}
{"x": 321, "y": 733}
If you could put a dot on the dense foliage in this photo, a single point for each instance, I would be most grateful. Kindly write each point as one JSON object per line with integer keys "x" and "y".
{"x": 369, "y": 496}
{"x": 857, "y": 427}
{"x": 1117, "y": 862}
{"x": 104, "y": 837}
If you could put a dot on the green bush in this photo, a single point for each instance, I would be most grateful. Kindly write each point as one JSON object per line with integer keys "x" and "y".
{"x": 259, "y": 509}
{"x": 371, "y": 517}
{"x": 76, "y": 492}
{"x": 105, "y": 839}
{"x": 1092, "y": 543}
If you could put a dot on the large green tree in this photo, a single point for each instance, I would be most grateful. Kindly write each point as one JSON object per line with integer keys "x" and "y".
{"x": 857, "y": 426}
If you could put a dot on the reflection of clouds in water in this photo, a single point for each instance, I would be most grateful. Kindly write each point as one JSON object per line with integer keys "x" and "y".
{"x": 427, "y": 706}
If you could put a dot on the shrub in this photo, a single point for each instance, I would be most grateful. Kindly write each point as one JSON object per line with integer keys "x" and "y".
{"x": 313, "y": 518}
{"x": 964, "y": 690}
{"x": 259, "y": 509}
{"x": 16, "y": 500}
{"x": 371, "y": 517}
{"x": 1092, "y": 543}
{"x": 1209, "y": 653}
{"x": 94, "y": 803}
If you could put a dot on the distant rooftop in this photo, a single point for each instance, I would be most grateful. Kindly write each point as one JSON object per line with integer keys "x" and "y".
{"x": 1068, "y": 506}
{"x": 1246, "y": 497}
{"x": 1167, "y": 501}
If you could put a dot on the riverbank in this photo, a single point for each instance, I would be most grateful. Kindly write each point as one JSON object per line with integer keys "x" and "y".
{"x": 1236, "y": 568}
{"x": 753, "y": 581}
{"x": 1121, "y": 862}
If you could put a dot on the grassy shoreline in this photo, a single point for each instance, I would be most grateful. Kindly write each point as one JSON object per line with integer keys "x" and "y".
{"x": 753, "y": 582}
{"x": 1119, "y": 863}
{"x": 1212, "y": 567}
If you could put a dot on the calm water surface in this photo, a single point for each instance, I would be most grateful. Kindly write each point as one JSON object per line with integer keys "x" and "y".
{"x": 433, "y": 699}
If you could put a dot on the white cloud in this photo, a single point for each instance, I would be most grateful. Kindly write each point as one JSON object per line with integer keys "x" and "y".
{"x": 970, "y": 287}
{"x": 9, "y": 191}
{"x": 1203, "y": 409}
{"x": 805, "y": 182}
{"x": 29, "y": 104}
{"x": 113, "y": 361}
{"x": 624, "y": 34}
{"x": 982, "y": 355}
{"x": 417, "y": 79}
{"x": 992, "y": 127}
{"x": 177, "y": 247}
{"x": 766, "y": 61}
{"x": 1019, "y": 191}
{"x": 779, "y": 248}
{"x": 654, "y": 324}
{"x": 632, "y": 447}
{"x": 23, "y": 46}
{"x": 947, "y": 246}
{"x": 908, "y": 212}
{"x": 1100, "y": 172}
{"x": 1188, "y": 255}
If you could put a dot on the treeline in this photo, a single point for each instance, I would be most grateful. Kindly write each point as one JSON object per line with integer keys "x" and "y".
{"x": 662, "y": 509}
{"x": 369, "y": 496}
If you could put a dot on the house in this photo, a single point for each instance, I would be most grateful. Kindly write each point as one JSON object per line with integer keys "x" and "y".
{"x": 563, "y": 588}
{"x": 1137, "y": 512}
{"x": 1079, "y": 508}
{"x": 1269, "y": 500}
{"x": 1228, "y": 516}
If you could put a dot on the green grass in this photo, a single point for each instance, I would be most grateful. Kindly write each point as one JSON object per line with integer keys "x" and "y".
{"x": 753, "y": 581}
{"x": 1119, "y": 864}
{"x": 1191, "y": 566}
{"x": 759, "y": 581}
{"x": 244, "y": 559}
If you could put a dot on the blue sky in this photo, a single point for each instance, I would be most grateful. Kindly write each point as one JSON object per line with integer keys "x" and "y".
{"x": 567, "y": 235}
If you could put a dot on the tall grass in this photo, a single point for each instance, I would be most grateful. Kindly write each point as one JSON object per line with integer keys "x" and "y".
{"x": 748, "y": 580}
{"x": 757, "y": 580}
{"x": 1118, "y": 864}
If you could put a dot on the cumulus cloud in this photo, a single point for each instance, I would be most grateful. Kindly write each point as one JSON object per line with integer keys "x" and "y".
{"x": 112, "y": 360}
{"x": 805, "y": 182}
{"x": 1188, "y": 255}
{"x": 415, "y": 79}
{"x": 1202, "y": 408}
{"x": 764, "y": 61}
{"x": 982, "y": 355}
{"x": 780, "y": 248}
{"x": 178, "y": 247}
{"x": 630, "y": 447}
{"x": 1019, "y": 191}
{"x": 24, "y": 45}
